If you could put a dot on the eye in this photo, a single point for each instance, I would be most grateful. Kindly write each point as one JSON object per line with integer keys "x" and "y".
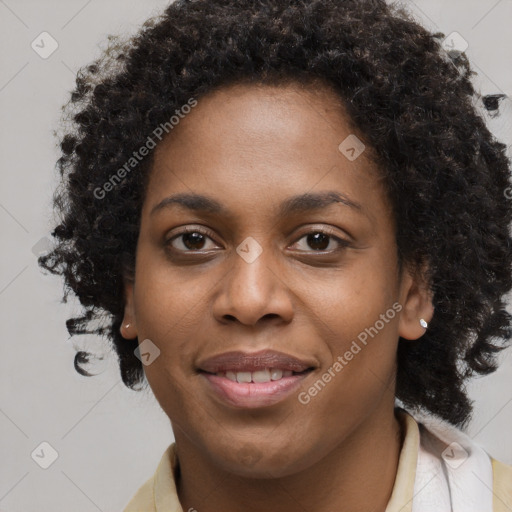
{"x": 320, "y": 241}
{"x": 190, "y": 240}
{"x": 193, "y": 239}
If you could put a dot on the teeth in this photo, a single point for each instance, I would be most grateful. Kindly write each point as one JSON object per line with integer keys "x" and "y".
{"x": 243, "y": 376}
{"x": 229, "y": 375}
{"x": 261, "y": 376}
{"x": 265, "y": 375}
{"x": 276, "y": 373}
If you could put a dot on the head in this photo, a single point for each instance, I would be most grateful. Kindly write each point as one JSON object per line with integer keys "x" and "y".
{"x": 416, "y": 225}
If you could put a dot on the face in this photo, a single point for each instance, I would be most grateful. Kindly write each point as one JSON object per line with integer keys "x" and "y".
{"x": 248, "y": 275}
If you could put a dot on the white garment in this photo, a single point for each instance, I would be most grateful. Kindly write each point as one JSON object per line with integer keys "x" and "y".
{"x": 454, "y": 473}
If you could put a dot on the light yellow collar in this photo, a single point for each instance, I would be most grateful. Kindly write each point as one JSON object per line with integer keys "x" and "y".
{"x": 403, "y": 490}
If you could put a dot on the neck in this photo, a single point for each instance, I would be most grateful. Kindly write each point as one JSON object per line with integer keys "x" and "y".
{"x": 365, "y": 460}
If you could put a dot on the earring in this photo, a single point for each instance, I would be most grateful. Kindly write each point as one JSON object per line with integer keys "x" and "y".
{"x": 126, "y": 326}
{"x": 423, "y": 323}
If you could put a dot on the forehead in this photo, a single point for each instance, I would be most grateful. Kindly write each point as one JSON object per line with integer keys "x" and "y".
{"x": 261, "y": 113}
{"x": 255, "y": 142}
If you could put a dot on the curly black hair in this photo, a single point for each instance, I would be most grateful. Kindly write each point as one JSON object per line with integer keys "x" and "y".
{"x": 414, "y": 104}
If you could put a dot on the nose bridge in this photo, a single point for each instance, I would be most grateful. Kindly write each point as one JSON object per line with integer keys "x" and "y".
{"x": 253, "y": 287}
{"x": 252, "y": 279}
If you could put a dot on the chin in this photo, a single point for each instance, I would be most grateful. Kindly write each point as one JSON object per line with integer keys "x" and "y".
{"x": 264, "y": 463}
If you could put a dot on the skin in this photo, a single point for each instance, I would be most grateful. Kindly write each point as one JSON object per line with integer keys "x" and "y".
{"x": 250, "y": 148}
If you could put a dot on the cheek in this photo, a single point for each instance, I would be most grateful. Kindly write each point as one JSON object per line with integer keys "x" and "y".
{"x": 359, "y": 373}
{"x": 356, "y": 315}
{"x": 167, "y": 299}
{"x": 169, "y": 307}
{"x": 166, "y": 315}
{"x": 346, "y": 303}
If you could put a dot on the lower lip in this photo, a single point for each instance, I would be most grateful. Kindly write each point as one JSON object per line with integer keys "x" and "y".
{"x": 252, "y": 395}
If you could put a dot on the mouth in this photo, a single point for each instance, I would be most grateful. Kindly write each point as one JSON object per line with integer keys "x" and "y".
{"x": 251, "y": 380}
{"x": 253, "y": 390}
{"x": 259, "y": 376}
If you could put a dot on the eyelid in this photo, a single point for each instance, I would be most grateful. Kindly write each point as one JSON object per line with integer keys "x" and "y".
{"x": 323, "y": 228}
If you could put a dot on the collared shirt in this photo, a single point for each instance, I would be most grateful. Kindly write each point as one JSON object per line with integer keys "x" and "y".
{"x": 159, "y": 494}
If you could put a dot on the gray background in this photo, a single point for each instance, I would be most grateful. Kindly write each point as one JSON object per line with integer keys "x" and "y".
{"x": 108, "y": 438}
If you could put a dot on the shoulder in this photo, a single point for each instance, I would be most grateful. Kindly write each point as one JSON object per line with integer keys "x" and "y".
{"x": 143, "y": 498}
{"x": 159, "y": 493}
{"x": 473, "y": 479}
{"x": 502, "y": 485}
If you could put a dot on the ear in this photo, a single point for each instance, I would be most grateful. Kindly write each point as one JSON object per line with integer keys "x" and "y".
{"x": 128, "y": 327}
{"x": 416, "y": 299}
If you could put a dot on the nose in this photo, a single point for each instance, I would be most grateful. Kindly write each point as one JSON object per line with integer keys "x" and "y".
{"x": 253, "y": 292}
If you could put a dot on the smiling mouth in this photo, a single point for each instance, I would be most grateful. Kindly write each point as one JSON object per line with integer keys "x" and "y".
{"x": 256, "y": 389}
{"x": 259, "y": 376}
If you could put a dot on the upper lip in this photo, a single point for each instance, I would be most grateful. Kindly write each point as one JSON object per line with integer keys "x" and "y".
{"x": 238, "y": 361}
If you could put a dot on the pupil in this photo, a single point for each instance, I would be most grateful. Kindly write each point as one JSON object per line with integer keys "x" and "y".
{"x": 189, "y": 239}
{"x": 314, "y": 239}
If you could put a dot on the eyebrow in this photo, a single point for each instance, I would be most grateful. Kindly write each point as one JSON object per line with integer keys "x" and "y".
{"x": 296, "y": 204}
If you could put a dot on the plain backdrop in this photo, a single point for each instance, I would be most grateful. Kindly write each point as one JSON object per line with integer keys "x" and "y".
{"x": 108, "y": 439}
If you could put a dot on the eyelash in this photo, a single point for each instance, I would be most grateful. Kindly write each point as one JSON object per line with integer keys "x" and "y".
{"x": 343, "y": 244}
